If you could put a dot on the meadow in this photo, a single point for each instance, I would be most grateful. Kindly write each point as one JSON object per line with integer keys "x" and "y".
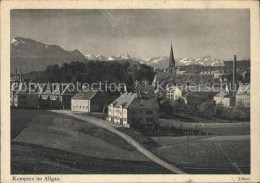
{"x": 45, "y": 142}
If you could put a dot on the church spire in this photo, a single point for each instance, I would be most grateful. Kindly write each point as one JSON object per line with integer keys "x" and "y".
{"x": 171, "y": 62}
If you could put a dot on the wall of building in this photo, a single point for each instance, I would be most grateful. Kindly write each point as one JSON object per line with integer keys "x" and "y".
{"x": 118, "y": 115}
{"x": 80, "y": 105}
{"x": 141, "y": 117}
{"x": 97, "y": 103}
{"x": 55, "y": 101}
{"x": 25, "y": 100}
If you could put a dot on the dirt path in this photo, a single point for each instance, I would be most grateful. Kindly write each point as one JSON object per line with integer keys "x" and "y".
{"x": 106, "y": 125}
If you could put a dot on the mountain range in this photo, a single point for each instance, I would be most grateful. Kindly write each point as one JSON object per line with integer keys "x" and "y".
{"x": 29, "y": 55}
{"x": 161, "y": 62}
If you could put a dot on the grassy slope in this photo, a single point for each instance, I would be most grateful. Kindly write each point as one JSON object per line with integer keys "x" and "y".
{"x": 206, "y": 154}
{"x": 20, "y": 119}
{"x": 35, "y": 159}
{"x": 66, "y": 145}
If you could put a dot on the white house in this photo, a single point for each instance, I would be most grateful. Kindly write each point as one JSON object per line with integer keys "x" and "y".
{"x": 134, "y": 110}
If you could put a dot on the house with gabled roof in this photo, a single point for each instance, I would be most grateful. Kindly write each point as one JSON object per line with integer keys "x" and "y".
{"x": 23, "y": 97}
{"x": 57, "y": 96}
{"x": 86, "y": 102}
{"x": 225, "y": 98}
{"x": 134, "y": 110}
{"x": 91, "y": 101}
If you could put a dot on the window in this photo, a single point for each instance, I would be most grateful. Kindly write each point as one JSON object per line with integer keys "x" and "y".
{"x": 149, "y": 112}
{"x": 79, "y": 106}
{"x": 133, "y": 112}
{"x": 133, "y": 119}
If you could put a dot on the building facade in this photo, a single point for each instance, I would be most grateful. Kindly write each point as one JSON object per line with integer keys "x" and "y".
{"x": 89, "y": 101}
{"x": 24, "y": 99}
{"x": 57, "y": 96}
{"x": 224, "y": 99}
{"x": 134, "y": 110}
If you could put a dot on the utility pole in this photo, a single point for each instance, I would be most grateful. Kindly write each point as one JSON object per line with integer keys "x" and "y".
{"x": 188, "y": 146}
{"x": 158, "y": 134}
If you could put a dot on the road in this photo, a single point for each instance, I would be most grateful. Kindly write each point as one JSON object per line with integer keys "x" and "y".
{"x": 135, "y": 144}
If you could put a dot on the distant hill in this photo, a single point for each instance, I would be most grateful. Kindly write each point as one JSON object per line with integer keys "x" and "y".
{"x": 29, "y": 55}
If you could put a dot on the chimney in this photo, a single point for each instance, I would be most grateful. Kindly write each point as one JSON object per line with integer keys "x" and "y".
{"x": 234, "y": 72}
{"x": 16, "y": 78}
{"x": 20, "y": 76}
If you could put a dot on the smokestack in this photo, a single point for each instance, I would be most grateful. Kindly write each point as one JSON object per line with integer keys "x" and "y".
{"x": 234, "y": 72}
{"x": 16, "y": 75}
{"x": 20, "y": 76}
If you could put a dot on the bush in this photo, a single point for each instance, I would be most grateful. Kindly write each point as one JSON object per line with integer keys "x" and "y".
{"x": 207, "y": 108}
{"x": 166, "y": 107}
{"x": 232, "y": 113}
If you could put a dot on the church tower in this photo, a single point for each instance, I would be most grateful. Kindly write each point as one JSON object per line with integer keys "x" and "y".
{"x": 171, "y": 68}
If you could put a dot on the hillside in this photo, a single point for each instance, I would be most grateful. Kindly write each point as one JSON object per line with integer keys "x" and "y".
{"x": 29, "y": 55}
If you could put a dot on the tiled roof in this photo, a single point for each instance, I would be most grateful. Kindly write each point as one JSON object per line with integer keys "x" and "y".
{"x": 185, "y": 78}
{"x": 125, "y": 100}
{"x": 141, "y": 103}
{"x": 190, "y": 94}
{"x": 58, "y": 89}
{"x": 85, "y": 95}
{"x": 223, "y": 94}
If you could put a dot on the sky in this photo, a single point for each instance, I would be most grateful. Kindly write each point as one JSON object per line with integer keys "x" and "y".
{"x": 220, "y": 33}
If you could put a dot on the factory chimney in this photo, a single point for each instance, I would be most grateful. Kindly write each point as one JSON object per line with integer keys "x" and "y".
{"x": 16, "y": 77}
{"x": 234, "y": 73}
{"x": 20, "y": 76}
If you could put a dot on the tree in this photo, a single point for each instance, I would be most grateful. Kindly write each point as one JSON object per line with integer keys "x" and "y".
{"x": 207, "y": 108}
{"x": 166, "y": 107}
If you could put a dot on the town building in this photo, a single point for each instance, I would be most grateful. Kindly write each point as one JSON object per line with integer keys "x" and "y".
{"x": 224, "y": 99}
{"x": 57, "y": 96}
{"x": 134, "y": 110}
{"x": 243, "y": 96}
{"x": 173, "y": 93}
{"x": 217, "y": 73}
{"x": 90, "y": 101}
{"x": 22, "y": 97}
{"x": 192, "y": 99}
{"x": 174, "y": 77}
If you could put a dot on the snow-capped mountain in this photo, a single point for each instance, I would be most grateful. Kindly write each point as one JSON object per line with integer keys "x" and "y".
{"x": 91, "y": 57}
{"x": 112, "y": 58}
{"x": 209, "y": 61}
{"x": 30, "y": 55}
{"x": 186, "y": 61}
{"x": 161, "y": 61}
{"x": 101, "y": 57}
